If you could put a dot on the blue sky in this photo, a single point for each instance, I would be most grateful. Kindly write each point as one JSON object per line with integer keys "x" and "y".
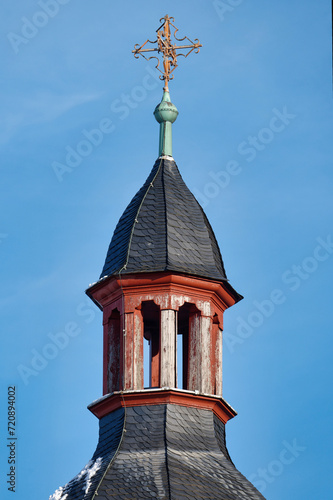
{"x": 253, "y": 141}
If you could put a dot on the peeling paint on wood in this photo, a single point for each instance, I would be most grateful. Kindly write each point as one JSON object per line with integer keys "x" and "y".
{"x": 138, "y": 351}
{"x": 168, "y": 348}
{"x": 206, "y": 365}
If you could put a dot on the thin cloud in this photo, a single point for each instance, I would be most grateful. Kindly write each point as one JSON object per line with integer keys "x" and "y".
{"x": 42, "y": 108}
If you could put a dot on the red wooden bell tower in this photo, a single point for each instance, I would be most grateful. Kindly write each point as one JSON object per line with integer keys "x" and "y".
{"x": 159, "y": 307}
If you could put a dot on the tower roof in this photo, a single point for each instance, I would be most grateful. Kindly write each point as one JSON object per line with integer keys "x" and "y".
{"x": 164, "y": 229}
{"x": 160, "y": 451}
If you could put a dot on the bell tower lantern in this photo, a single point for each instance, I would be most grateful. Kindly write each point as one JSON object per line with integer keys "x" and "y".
{"x": 171, "y": 310}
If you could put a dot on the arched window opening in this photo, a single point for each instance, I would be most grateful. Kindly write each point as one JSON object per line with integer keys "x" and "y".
{"x": 184, "y": 315}
{"x": 181, "y": 383}
{"x": 146, "y": 363}
{"x": 183, "y": 345}
{"x": 151, "y": 328}
{"x": 216, "y": 356}
{"x": 113, "y": 352}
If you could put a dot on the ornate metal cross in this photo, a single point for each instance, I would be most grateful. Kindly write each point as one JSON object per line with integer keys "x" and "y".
{"x": 168, "y": 49}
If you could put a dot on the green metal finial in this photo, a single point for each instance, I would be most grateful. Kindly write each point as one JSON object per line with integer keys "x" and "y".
{"x": 166, "y": 114}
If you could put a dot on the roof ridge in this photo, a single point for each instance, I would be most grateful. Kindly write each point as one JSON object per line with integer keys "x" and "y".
{"x": 166, "y": 450}
{"x": 166, "y": 218}
{"x": 151, "y": 184}
{"x": 113, "y": 457}
{"x": 211, "y": 235}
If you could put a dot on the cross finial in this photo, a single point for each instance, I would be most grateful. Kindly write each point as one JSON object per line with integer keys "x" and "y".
{"x": 170, "y": 51}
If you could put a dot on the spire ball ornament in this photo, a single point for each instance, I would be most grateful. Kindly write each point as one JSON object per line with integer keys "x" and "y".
{"x": 165, "y": 111}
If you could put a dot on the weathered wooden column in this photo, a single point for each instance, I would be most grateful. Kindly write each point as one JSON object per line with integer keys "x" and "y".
{"x": 132, "y": 351}
{"x": 168, "y": 345}
{"x": 217, "y": 371}
{"x": 216, "y": 357}
{"x": 138, "y": 351}
{"x": 111, "y": 352}
{"x": 206, "y": 365}
{"x": 204, "y": 353}
{"x": 194, "y": 358}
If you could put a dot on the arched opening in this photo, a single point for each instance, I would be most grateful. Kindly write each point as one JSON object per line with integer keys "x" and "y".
{"x": 182, "y": 346}
{"x": 151, "y": 332}
{"x": 183, "y": 338}
{"x": 146, "y": 363}
{"x": 113, "y": 352}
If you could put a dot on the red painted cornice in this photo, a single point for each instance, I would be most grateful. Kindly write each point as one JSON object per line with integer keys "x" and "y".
{"x": 147, "y": 397}
{"x": 105, "y": 291}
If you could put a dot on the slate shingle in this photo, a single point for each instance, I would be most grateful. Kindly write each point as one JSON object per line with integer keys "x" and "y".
{"x": 162, "y": 451}
{"x": 164, "y": 229}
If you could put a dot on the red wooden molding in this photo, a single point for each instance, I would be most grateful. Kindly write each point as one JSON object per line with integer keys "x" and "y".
{"x": 112, "y": 402}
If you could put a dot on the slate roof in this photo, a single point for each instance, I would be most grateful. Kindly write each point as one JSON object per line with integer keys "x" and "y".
{"x": 166, "y": 452}
{"x": 164, "y": 229}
